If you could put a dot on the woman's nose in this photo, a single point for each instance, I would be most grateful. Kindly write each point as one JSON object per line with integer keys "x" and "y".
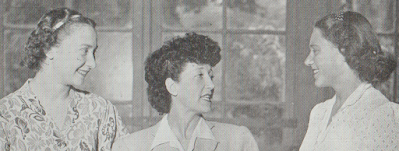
{"x": 309, "y": 59}
{"x": 91, "y": 61}
{"x": 210, "y": 84}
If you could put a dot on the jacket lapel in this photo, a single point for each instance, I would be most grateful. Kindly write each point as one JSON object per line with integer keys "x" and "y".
{"x": 205, "y": 144}
{"x": 164, "y": 147}
{"x": 202, "y": 144}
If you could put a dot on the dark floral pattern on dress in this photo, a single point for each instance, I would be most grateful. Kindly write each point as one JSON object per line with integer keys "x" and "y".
{"x": 91, "y": 123}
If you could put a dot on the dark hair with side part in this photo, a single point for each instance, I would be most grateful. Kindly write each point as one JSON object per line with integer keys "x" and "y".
{"x": 353, "y": 34}
{"x": 169, "y": 61}
{"x": 47, "y": 34}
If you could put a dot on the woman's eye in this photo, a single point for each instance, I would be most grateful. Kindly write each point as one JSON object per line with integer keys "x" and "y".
{"x": 315, "y": 51}
{"x": 84, "y": 51}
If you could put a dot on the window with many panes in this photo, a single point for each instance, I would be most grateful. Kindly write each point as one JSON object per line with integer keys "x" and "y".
{"x": 261, "y": 81}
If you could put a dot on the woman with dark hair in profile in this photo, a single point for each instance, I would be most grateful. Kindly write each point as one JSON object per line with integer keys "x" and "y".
{"x": 47, "y": 112}
{"x": 345, "y": 54}
{"x": 179, "y": 77}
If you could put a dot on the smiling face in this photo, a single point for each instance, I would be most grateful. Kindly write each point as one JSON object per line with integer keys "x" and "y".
{"x": 327, "y": 63}
{"x": 74, "y": 57}
{"x": 195, "y": 87}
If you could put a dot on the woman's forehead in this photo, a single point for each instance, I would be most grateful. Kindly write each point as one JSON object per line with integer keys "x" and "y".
{"x": 190, "y": 66}
{"x": 318, "y": 39}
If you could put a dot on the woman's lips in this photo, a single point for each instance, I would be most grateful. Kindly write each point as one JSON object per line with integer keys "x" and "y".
{"x": 315, "y": 72}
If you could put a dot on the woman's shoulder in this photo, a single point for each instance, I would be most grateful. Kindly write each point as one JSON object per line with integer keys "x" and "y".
{"x": 86, "y": 97}
{"x": 143, "y": 134}
{"x": 12, "y": 104}
{"x": 233, "y": 137}
{"x": 227, "y": 129}
{"x": 387, "y": 110}
{"x": 216, "y": 124}
{"x": 139, "y": 140}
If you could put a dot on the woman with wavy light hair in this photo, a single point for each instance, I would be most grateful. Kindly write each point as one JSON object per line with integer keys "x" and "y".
{"x": 47, "y": 112}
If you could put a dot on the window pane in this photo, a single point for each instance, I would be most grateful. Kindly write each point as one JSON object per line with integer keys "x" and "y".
{"x": 255, "y": 68}
{"x": 107, "y": 12}
{"x": 15, "y": 74}
{"x": 256, "y": 14}
{"x": 28, "y": 11}
{"x": 113, "y": 76}
{"x": 192, "y": 14}
{"x": 380, "y": 13}
{"x": 217, "y": 70}
{"x": 387, "y": 43}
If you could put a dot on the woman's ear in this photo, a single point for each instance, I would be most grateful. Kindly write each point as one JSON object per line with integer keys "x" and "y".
{"x": 342, "y": 50}
{"x": 171, "y": 86}
{"x": 50, "y": 54}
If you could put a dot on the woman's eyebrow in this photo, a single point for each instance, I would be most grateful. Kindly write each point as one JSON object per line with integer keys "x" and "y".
{"x": 314, "y": 46}
{"x": 90, "y": 46}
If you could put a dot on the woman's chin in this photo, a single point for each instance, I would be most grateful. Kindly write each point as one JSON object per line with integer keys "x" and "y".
{"x": 320, "y": 83}
{"x": 78, "y": 82}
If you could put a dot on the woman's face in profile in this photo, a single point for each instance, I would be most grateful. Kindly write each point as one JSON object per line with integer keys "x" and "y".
{"x": 325, "y": 60}
{"x": 195, "y": 88}
{"x": 74, "y": 56}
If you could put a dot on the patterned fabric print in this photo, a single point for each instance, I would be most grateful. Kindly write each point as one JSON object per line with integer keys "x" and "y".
{"x": 92, "y": 123}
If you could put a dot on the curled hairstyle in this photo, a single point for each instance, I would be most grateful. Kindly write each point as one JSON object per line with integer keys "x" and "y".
{"x": 46, "y": 34}
{"x": 169, "y": 61}
{"x": 352, "y": 33}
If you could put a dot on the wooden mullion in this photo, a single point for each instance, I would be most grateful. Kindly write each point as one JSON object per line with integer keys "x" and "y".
{"x": 2, "y": 59}
{"x": 396, "y": 49}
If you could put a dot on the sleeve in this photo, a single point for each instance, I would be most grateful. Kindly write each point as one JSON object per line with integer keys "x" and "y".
{"x": 4, "y": 145}
{"x": 311, "y": 133}
{"x": 382, "y": 130}
{"x": 121, "y": 130}
{"x": 110, "y": 128}
{"x": 249, "y": 143}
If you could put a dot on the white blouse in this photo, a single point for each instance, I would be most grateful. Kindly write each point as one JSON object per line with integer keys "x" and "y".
{"x": 366, "y": 121}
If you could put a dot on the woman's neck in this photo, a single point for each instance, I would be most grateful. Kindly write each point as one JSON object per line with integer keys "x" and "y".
{"x": 48, "y": 91}
{"x": 345, "y": 88}
{"x": 182, "y": 122}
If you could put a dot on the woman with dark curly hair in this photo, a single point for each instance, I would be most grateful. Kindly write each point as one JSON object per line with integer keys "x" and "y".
{"x": 179, "y": 77}
{"x": 47, "y": 112}
{"x": 345, "y": 54}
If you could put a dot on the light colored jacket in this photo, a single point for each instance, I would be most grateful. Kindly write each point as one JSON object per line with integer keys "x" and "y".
{"x": 228, "y": 138}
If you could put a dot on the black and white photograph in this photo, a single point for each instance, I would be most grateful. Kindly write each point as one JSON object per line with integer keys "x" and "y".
{"x": 199, "y": 75}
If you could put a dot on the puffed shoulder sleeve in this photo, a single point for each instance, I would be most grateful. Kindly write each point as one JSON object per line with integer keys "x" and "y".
{"x": 3, "y": 139}
{"x": 249, "y": 143}
{"x": 382, "y": 130}
{"x": 4, "y": 144}
{"x": 111, "y": 127}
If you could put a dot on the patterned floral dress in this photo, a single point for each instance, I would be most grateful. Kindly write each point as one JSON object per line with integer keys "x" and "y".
{"x": 92, "y": 123}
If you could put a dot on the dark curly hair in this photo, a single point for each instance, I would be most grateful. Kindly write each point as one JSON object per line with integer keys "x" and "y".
{"x": 169, "y": 61}
{"x": 352, "y": 33}
{"x": 46, "y": 34}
